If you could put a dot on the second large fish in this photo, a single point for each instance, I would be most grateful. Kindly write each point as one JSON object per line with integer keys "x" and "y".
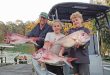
{"x": 70, "y": 40}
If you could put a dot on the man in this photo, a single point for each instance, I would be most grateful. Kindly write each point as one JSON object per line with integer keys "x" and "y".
{"x": 38, "y": 34}
{"x": 40, "y": 30}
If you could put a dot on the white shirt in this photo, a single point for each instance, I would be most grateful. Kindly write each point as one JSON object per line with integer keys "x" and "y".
{"x": 52, "y": 37}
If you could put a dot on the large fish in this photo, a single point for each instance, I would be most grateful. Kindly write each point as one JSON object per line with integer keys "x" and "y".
{"x": 70, "y": 40}
{"x": 50, "y": 58}
{"x": 15, "y": 38}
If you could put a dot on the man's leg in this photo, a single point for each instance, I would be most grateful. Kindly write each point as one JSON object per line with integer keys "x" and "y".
{"x": 38, "y": 68}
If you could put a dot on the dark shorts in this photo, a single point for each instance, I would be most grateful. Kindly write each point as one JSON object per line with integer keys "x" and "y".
{"x": 81, "y": 68}
{"x": 58, "y": 70}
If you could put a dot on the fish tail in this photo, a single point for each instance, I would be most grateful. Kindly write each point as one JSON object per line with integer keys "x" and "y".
{"x": 69, "y": 64}
{"x": 35, "y": 43}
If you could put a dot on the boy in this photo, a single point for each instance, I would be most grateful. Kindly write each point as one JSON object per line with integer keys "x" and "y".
{"x": 81, "y": 66}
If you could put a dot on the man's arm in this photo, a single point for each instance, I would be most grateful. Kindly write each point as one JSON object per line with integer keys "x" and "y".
{"x": 33, "y": 32}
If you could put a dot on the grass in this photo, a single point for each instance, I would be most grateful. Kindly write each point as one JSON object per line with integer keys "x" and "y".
{"x": 23, "y": 48}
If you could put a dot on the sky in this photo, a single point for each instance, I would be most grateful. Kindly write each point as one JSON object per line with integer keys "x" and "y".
{"x": 27, "y": 10}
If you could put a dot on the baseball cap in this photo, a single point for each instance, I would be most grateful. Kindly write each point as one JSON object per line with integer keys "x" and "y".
{"x": 43, "y": 14}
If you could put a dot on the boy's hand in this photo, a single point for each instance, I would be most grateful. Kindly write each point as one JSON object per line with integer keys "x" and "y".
{"x": 61, "y": 55}
{"x": 77, "y": 45}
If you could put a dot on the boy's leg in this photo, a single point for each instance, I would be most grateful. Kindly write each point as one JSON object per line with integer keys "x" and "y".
{"x": 84, "y": 69}
{"x": 75, "y": 68}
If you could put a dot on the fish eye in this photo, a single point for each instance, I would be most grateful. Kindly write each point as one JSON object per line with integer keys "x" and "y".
{"x": 83, "y": 34}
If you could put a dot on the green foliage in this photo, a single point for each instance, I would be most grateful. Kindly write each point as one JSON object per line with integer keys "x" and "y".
{"x": 104, "y": 36}
{"x": 2, "y": 31}
{"x": 20, "y": 28}
{"x": 23, "y": 48}
{"x": 108, "y": 2}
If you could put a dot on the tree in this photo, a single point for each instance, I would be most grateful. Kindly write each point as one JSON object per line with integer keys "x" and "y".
{"x": 104, "y": 37}
{"x": 2, "y": 31}
{"x": 12, "y": 27}
{"x": 21, "y": 29}
{"x": 108, "y": 2}
{"x": 29, "y": 26}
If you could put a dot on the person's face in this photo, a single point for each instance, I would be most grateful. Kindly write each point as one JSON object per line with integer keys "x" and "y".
{"x": 77, "y": 21}
{"x": 57, "y": 27}
{"x": 43, "y": 20}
